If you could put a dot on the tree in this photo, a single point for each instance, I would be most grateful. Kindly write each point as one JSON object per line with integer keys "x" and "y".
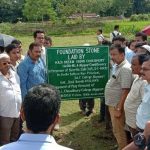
{"x": 69, "y": 7}
{"x": 36, "y": 10}
{"x": 122, "y": 6}
{"x": 102, "y": 6}
{"x": 11, "y": 10}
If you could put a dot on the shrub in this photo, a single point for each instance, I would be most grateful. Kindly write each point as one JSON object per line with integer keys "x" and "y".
{"x": 140, "y": 17}
{"x": 134, "y": 18}
{"x": 143, "y": 17}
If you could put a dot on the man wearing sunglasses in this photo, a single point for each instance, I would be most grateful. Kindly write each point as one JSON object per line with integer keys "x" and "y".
{"x": 10, "y": 101}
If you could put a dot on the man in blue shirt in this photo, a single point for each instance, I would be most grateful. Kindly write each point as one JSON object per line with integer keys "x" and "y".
{"x": 32, "y": 70}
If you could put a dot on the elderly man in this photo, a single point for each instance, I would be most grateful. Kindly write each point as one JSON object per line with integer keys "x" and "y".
{"x": 40, "y": 111}
{"x": 116, "y": 91}
{"x": 10, "y": 101}
{"x": 32, "y": 70}
{"x": 135, "y": 95}
{"x": 143, "y": 113}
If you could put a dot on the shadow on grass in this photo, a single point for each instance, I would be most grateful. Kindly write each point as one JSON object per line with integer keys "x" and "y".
{"x": 70, "y": 118}
{"x": 85, "y": 136}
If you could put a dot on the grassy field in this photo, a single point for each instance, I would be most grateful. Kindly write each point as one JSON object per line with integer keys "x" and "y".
{"x": 77, "y": 131}
{"x": 80, "y": 132}
{"x": 62, "y": 41}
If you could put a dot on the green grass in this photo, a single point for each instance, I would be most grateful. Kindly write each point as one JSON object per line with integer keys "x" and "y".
{"x": 80, "y": 132}
{"x": 62, "y": 40}
{"x": 75, "y": 27}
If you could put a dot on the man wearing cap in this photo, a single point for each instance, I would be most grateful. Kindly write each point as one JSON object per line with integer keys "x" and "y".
{"x": 10, "y": 101}
{"x": 145, "y": 49}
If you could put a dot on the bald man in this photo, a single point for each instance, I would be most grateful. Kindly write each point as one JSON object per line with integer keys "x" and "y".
{"x": 10, "y": 101}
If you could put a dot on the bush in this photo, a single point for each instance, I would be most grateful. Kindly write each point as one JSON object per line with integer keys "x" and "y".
{"x": 140, "y": 17}
{"x": 143, "y": 17}
{"x": 134, "y": 18}
{"x": 5, "y": 28}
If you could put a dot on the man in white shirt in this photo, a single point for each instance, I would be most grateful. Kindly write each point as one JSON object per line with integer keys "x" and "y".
{"x": 143, "y": 111}
{"x": 39, "y": 37}
{"x": 116, "y": 91}
{"x": 40, "y": 111}
{"x": 100, "y": 37}
{"x": 115, "y": 33}
{"x": 136, "y": 93}
{"x": 10, "y": 101}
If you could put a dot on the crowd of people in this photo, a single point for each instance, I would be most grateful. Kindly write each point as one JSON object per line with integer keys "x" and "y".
{"x": 127, "y": 95}
{"x": 24, "y": 94}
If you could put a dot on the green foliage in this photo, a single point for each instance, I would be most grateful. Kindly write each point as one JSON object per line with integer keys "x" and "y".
{"x": 121, "y": 6}
{"x": 36, "y": 10}
{"x": 134, "y": 18}
{"x": 141, "y": 6}
{"x": 39, "y": 10}
{"x": 74, "y": 27}
{"x": 68, "y": 7}
{"x": 140, "y": 17}
{"x": 11, "y": 10}
{"x": 143, "y": 17}
{"x": 5, "y": 28}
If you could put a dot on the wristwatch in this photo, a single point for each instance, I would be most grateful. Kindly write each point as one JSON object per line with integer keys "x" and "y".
{"x": 140, "y": 141}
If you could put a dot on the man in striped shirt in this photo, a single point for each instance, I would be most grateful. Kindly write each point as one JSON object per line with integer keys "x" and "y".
{"x": 116, "y": 91}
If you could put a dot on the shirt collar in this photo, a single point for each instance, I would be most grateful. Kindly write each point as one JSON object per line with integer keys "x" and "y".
{"x": 43, "y": 48}
{"x": 29, "y": 137}
{"x": 121, "y": 64}
{"x": 31, "y": 61}
{"x": 8, "y": 71}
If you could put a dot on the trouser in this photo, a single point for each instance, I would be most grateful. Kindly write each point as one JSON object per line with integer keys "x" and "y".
{"x": 102, "y": 108}
{"x": 86, "y": 103}
{"x": 118, "y": 128}
{"x": 104, "y": 113}
{"x": 9, "y": 130}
